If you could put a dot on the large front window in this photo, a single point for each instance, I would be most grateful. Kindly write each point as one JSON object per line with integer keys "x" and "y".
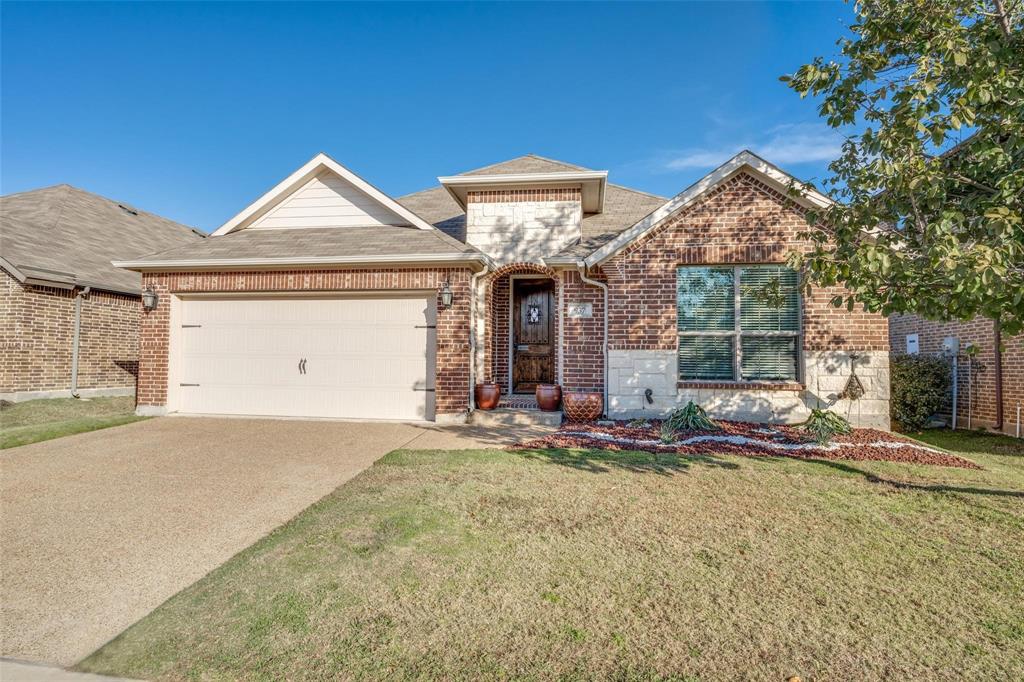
{"x": 738, "y": 323}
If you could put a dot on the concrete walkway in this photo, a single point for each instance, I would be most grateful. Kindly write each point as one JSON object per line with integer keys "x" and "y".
{"x": 100, "y": 528}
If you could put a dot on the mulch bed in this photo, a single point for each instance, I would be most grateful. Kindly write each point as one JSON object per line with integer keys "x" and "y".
{"x": 749, "y": 440}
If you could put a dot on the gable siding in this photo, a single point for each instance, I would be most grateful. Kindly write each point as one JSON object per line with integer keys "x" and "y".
{"x": 327, "y": 201}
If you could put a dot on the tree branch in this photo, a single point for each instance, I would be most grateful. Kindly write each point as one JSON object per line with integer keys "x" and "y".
{"x": 1004, "y": 19}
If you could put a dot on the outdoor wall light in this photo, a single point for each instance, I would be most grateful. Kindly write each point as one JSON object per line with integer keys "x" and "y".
{"x": 149, "y": 299}
{"x": 447, "y": 295}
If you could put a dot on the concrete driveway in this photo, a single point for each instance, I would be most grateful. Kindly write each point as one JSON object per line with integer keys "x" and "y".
{"x": 98, "y": 529}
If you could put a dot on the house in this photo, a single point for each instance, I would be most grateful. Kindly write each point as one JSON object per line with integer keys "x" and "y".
{"x": 325, "y": 297}
{"x": 69, "y": 320}
{"x": 990, "y": 380}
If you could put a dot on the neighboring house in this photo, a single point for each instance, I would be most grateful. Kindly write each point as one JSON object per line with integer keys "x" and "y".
{"x": 990, "y": 382}
{"x": 327, "y": 298}
{"x": 69, "y": 320}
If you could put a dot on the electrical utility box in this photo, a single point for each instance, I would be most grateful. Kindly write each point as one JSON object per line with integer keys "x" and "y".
{"x": 950, "y": 346}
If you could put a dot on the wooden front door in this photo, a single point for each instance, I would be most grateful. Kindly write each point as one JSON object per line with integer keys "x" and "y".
{"x": 533, "y": 342}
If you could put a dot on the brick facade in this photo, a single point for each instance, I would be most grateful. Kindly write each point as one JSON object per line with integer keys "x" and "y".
{"x": 453, "y": 350}
{"x": 583, "y": 357}
{"x": 741, "y": 221}
{"x": 976, "y": 376}
{"x": 36, "y": 332}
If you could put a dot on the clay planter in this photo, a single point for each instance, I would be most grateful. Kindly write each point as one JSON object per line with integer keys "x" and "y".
{"x": 487, "y": 396}
{"x": 581, "y": 406}
{"x": 548, "y": 397}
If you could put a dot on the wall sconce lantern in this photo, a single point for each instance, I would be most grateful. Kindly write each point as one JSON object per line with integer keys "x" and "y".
{"x": 149, "y": 299}
{"x": 447, "y": 295}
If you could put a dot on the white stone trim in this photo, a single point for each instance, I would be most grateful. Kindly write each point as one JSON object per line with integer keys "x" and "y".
{"x": 21, "y": 396}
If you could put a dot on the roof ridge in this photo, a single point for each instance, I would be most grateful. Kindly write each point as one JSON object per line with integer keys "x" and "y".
{"x": 524, "y": 156}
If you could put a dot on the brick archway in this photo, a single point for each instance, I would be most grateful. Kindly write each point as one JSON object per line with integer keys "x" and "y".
{"x": 497, "y": 332}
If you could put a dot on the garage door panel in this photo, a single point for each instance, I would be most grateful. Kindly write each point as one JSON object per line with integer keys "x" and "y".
{"x": 365, "y": 358}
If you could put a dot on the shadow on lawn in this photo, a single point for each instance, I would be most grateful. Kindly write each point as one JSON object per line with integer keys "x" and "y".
{"x": 906, "y": 485}
{"x": 603, "y": 461}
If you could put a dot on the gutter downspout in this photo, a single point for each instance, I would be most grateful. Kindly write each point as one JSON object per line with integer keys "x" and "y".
{"x": 997, "y": 367}
{"x": 581, "y": 266}
{"x": 75, "y": 341}
{"x": 473, "y": 280}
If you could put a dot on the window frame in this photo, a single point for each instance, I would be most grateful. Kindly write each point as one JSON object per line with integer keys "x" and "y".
{"x": 737, "y": 333}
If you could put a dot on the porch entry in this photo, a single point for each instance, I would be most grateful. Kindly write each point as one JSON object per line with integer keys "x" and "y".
{"x": 532, "y": 338}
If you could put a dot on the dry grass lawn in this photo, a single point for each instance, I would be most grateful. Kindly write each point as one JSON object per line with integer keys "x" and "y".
{"x": 586, "y": 564}
{"x": 33, "y": 421}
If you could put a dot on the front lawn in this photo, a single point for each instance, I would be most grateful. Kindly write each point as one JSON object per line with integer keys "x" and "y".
{"x": 591, "y": 564}
{"x": 37, "y": 420}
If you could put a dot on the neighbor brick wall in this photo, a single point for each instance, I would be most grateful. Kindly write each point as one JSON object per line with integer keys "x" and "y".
{"x": 741, "y": 221}
{"x": 452, "y": 380}
{"x": 36, "y": 332}
{"x": 979, "y": 393}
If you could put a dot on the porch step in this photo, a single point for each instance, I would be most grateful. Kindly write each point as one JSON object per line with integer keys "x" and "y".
{"x": 515, "y": 417}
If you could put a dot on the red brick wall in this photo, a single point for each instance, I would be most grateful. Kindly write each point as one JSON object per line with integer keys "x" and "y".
{"x": 36, "y": 332}
{"x": 978, "y": 395}
{"x": 452, "y": 381}
{"x": 741, "y": 221}
{"x": 584, "y": 360}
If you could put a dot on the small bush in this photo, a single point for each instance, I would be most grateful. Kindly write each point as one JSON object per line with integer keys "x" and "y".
{"x": 919, "y": 384}
{"x": 690, "y": 417}
{"x": 824, "y": 425}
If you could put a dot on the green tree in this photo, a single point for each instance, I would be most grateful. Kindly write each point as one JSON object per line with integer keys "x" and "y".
{"x": 922, "y": 224}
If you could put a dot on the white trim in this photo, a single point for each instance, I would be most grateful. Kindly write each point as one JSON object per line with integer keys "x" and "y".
{"x": 457, "y": 185}
{"x": 303, "y": 175}
{"x": 303, "y": 261}
{"x": 744, "y": 161}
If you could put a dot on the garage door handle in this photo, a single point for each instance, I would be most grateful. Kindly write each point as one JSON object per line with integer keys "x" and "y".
{"x": 302, "y": 366}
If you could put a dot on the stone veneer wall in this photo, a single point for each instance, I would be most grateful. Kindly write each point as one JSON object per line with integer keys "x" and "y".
{"x": 523, "y": 225}
{"x": 976, "y": 378}
{"x": 452, "y": 380}
{"x": 741, "y": 221}
{"x": 36, "y": 332}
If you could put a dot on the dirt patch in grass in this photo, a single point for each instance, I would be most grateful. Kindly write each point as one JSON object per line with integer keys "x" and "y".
{"x": 747, "y": 439}
{"x": 591, "y": 564}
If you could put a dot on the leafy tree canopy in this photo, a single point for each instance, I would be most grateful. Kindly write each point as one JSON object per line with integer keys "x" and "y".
{"x": 922, "y": 224}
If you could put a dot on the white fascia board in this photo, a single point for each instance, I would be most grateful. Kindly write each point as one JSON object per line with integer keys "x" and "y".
{"x": 313, "y": 167}
{"x": 209, "y": 263}
{"x": 745, "y": 160}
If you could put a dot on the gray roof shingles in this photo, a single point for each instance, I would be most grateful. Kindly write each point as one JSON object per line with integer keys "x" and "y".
{"x": 312, "y": 242}
{"x": 67, "y": 235}
{"x": 623, "y": 208}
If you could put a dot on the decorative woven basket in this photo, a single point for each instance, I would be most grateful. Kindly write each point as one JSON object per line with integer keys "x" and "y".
{"x": 579, "y": 406}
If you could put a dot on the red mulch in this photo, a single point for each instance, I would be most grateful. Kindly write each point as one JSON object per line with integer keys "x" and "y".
{"x": 865, "y": 443}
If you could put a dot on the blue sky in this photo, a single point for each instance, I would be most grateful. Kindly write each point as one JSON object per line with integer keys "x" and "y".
{"x": 193, "y": 110}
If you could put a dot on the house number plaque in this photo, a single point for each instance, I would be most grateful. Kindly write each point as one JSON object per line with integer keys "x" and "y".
{"x": 580, "y": 309}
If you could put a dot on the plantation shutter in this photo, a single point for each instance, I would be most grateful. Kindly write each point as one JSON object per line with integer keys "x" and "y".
{"x": 758, "y": 315}
{"x": 738, "y": 323}
{"x": 706, "y": 320}
{"x": 768, "y": 358}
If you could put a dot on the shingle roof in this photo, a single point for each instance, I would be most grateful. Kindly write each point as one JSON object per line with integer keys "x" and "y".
{"x": 316, "y": 242}
{"x": 623, "y": 206}
{"x": 65, "y": 234}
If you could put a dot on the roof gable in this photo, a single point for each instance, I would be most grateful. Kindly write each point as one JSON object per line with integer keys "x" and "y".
{"x": 322, "y": 193}
{"x": 744, "y": 162}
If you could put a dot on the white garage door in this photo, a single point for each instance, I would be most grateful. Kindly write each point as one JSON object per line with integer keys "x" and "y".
{"x": 360, "y": 358}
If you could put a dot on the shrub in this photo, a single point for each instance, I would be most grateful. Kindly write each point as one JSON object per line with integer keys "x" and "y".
{"x": 824, "y": 425}
{"x": 919, "y": 384}
{"x": 690, "y": 417}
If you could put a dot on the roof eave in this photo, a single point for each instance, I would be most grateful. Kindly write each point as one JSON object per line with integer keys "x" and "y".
{"x": 459, "y": 185}
{"x": 310, "y": 261}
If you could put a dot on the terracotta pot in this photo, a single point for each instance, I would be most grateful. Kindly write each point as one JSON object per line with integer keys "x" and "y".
{"x": 581, "y": 406}
{"x": 487, "y": 396}
{"x": 548, "y": 397}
